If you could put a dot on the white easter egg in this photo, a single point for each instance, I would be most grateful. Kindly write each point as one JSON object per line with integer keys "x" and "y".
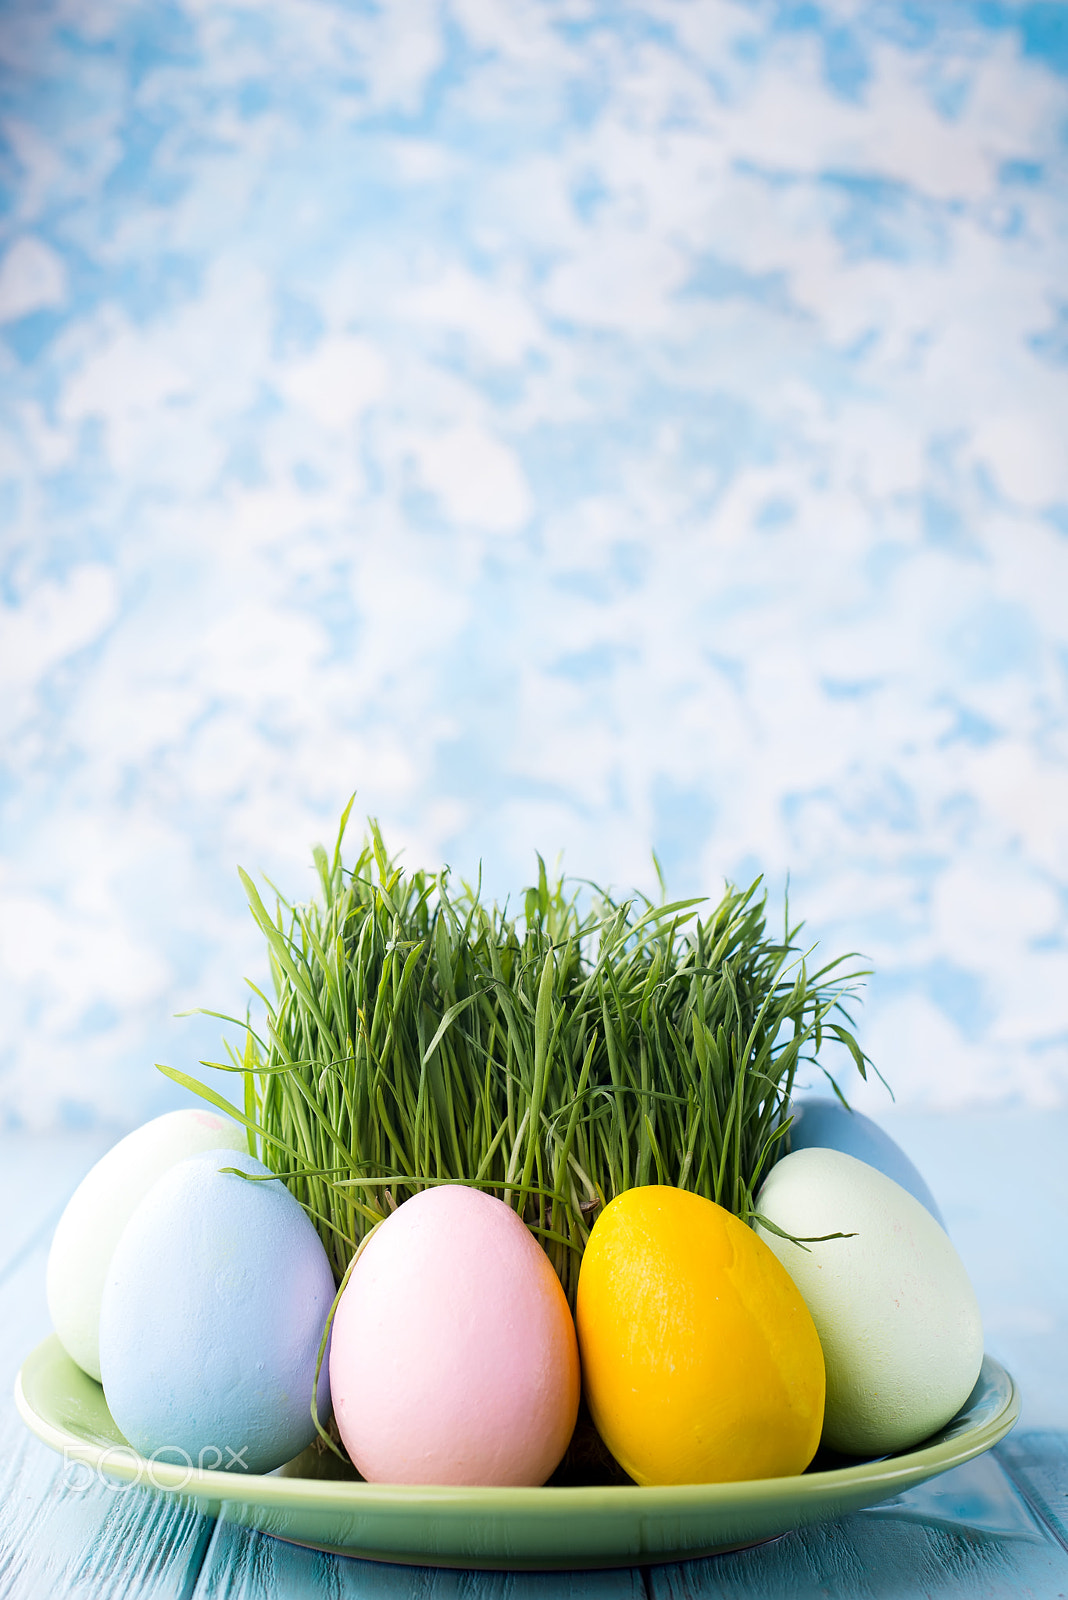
{"x": 100, "y": 1208}
{"x": 896, "y": 1314}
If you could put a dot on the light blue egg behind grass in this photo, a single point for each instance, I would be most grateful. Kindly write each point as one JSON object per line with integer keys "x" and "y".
{"x": 825, "y": 1124}
{"x": 212, "y": 1313}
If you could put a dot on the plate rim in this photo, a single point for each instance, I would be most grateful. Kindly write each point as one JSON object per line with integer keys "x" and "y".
{"x": 276, "y": 1492}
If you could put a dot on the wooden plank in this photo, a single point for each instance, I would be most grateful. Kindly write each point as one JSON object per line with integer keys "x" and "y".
{"x": 1037, "y": 1462}
{"x": 965, "y": 1535}
{"x": 36, "y": 1180}
{"x": 969, "y": 1159}
{"x": 64, "y": 1531}
{"x": 859, "y": 1559}
{"x": 38, "y": 1175}
{"x": 978, "y": 1496}
{"x": 249, "y": 1566}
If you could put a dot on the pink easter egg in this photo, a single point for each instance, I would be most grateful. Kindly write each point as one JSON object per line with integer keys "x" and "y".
{"x": 454, "y": 1358}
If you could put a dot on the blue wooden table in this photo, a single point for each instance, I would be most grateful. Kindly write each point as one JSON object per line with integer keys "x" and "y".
{"x": 996, "y": 1527}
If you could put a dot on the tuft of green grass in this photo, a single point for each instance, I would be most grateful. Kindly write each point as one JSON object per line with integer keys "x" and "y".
{"x": 554, "y": 1058}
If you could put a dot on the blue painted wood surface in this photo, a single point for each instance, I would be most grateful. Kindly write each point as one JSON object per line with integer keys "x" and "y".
{"x": 995, "y": 1527}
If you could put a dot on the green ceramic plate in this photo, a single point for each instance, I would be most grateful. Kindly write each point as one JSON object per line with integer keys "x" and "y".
{"x": 590, "y": 1526}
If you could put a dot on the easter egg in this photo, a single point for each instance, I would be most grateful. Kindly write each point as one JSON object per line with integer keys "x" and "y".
{"x": 700, "y": 1361}
{"x": 896, "y": 1313}
{"x": 100, "y": 1208}
{"x": 453, "y": 1355}
{"x": 829, "y": 1125}
{"x": 213, "y": 1309}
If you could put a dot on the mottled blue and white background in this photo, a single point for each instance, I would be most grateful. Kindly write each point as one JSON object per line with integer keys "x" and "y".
{"x": 575, "y": 426}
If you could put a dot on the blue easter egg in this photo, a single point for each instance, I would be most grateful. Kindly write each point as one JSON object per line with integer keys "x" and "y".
{"x": 211, "y": 1317}
{"x": 829, "y": 1125}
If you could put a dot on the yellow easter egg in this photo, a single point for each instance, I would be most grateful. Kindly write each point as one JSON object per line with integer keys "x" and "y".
{"x": 700, "y": 1361}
